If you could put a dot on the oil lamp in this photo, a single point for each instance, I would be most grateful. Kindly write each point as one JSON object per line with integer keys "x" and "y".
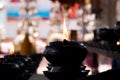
{"x": 65, "y": 60}
{"x": 15, "y": 66}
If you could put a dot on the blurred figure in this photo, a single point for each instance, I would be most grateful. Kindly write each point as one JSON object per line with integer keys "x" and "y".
{"x": 72, "y": 12}
{"x": 52, "y": 16}
{"x": 56, "y": 14}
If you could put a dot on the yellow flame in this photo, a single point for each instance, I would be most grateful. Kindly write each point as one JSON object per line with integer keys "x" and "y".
{"x": 11, "y": 50}
{"x": 65, "y": 32}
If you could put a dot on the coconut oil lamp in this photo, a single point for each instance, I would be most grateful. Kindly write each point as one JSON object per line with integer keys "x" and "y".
{"x": 65, "y": 59}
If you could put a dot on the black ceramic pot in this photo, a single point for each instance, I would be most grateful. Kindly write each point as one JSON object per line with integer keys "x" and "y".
{"x": 65, "y": 59}
{"x": 108, "y": 35}
{"x": 65, "y": 53}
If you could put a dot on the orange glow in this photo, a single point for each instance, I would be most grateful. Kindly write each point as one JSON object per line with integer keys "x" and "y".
{"x": 11, "y": 50}
{"x": 87, "y": 1}
{"x": 65, "y": 32}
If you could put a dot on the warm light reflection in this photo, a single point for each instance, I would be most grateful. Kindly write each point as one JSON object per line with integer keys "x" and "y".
{"x": 36, "y": 34}
{"x": 11, "y": 50}
{"x": 65, "y": 32}
{"x": 118, "y": 43}
{"x": 1, "y": 5}
{"x": 87, "y": 1}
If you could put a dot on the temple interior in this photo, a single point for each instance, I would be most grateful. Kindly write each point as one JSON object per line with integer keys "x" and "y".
{"x": 59, "y": 39}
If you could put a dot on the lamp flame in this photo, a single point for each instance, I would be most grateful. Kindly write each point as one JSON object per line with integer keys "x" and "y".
{"x": 11, "y": 52}
{"x": 65, "y": 32}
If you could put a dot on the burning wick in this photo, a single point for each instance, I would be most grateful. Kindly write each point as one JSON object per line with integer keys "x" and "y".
{"x": 65, "y": 32}
{"x": 11, "y": 52}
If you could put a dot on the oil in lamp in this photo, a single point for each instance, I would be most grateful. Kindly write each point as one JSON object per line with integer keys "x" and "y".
{"x": 65, "y": 60}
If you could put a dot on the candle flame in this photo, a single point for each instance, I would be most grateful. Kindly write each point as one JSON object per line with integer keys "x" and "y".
{"x": 11, "y": 52}
{"x": 65, "y": 32}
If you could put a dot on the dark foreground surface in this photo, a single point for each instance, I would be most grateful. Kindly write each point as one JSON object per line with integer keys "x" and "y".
{"x": 38, "y": 77}
{"x": 113, "y": 74}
